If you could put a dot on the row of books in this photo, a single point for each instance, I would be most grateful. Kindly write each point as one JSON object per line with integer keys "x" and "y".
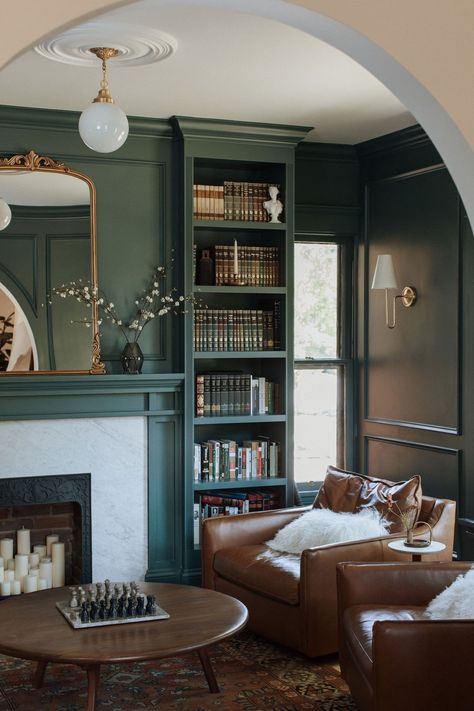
{"x": 234, "y": 200}
{"x": 226, "y": 460}
{"x": 237, "y": 329}
{"x": 227, "y": 394}
{"x": 255, "y": 265}
{"x": 221, "y": 503}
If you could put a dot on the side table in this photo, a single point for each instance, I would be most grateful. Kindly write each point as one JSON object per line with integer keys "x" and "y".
{"x": 416, "y": 553}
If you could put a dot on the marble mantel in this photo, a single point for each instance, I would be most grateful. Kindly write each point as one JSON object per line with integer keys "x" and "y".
{"x": 126, "y": 431}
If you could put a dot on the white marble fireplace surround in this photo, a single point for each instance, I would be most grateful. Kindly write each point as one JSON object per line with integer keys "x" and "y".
{"x": 114, "y": 451}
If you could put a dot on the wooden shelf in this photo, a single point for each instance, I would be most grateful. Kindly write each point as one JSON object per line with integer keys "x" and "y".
{"x": 240, "y": 483}
{"x": 236, "y": 419}
{"x": 239, "y": 225}
{"x": 204, "y": 355}
{"x": 271, "y": 290}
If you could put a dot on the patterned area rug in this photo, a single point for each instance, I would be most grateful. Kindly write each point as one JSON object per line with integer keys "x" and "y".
{"x": 253, "y": 675}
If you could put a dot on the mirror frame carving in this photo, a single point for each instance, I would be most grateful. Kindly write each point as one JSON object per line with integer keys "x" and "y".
{"x": 33, "y": 162}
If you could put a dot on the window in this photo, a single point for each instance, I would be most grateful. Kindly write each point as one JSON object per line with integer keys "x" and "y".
{"x": 323, "y": 365}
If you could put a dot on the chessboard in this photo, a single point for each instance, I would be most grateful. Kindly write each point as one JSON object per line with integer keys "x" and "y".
{"x": 107, "y": 603}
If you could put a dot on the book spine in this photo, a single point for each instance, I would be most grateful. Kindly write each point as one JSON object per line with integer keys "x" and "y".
{"x": 207, "y": 395}
{"x": 199, "y": 395}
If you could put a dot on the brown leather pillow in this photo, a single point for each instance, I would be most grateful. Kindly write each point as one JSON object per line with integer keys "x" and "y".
{"x": 344, "y": 491}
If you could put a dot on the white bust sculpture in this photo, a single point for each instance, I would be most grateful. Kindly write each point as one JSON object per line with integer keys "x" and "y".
{"x": 274, "y": 207}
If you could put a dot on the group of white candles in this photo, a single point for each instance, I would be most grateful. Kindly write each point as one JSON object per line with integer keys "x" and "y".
{"x": 30, "y": 570}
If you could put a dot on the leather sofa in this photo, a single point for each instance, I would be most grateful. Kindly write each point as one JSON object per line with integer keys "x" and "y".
{"x": 391, "y": 656}
{"x": 293, "y": 600}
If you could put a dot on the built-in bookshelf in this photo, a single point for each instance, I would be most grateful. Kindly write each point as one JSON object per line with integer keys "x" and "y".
{"x": 238, "y": 342}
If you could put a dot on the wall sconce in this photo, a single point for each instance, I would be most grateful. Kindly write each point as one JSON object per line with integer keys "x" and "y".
{"x": 103, "y": 126}
{"x": 384, "y": 278}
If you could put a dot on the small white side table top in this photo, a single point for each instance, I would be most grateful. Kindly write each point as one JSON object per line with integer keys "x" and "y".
{"x": 399, "y": 545}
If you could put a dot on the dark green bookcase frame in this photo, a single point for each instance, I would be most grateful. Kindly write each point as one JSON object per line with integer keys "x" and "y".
{"x": 239, "y": 151}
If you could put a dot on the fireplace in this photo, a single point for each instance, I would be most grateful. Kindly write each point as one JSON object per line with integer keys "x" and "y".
{"x": 52, "y": 504}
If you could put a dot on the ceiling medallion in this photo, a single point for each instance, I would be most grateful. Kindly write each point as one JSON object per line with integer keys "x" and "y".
{"x": 136, "y": 44}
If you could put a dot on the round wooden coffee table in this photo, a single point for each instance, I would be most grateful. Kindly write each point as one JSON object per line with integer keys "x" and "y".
{"x": 31, "y": 627}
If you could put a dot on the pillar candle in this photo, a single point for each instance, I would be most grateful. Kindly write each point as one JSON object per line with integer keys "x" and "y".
{"x": 34, "y": 559}
{"x": 57, "y": 554}
{"x": 42, "y": 584}
{"x": 34, "y": 571}
{"x": 2, "y": 574}
{"x": 5, "y": 589}
{"x": 11, "y": 564}
{"x": 46, "y": 571}
{"x": 9, "y": 575}
{"x": 15, "y": 587}
{"x": 52, "y": 538}
{"x": 21, "y": 566}
{"x": 30, "y": 584}
{"x": 6, "y": 548}
{"x": 2, "y": 562}
{"x": 236, "y": 258}
{"x": 23, "y": 544}
{"x": 40, "y": 549}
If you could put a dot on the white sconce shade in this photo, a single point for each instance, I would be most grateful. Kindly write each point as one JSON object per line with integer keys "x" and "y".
{"x": 384, "y": 274}
{"x": 103, "y": 127}
{"x": 5, "y": 214}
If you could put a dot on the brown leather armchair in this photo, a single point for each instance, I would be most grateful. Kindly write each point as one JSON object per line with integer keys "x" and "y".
{"x": 290, "y": 600}
{"x": 391, "y": 656}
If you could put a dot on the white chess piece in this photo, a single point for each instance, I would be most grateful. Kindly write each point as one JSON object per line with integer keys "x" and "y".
{"x": 274, "y": 207}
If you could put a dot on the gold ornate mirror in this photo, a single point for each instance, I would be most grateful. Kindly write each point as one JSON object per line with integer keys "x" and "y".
{"x": 49, "y": 241}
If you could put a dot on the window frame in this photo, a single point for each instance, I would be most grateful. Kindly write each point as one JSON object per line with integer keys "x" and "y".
{"x": 344, "y": 362}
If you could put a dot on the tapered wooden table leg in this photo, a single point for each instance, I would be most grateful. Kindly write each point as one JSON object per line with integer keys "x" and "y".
{"x": 93, "y": 678}
{"x": 208, "y": 670}
{"x": 38, "y": 676}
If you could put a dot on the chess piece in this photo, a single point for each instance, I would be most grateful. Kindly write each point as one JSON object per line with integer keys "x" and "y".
{"x": 274, "y": 207}
{"x": 99, "y": 588}
{"x": 102, "y": 610}
{"x": 131, "y": 607}
{"x": 151, "y": 605}
{"x": 107, "y": 586}
{"x": 94, "y": 614}
{"x": 140, "y": 610}
{"x": 112, "y": 612}
{"x": 73, "y": 604}
{"x": 85, "y": 616}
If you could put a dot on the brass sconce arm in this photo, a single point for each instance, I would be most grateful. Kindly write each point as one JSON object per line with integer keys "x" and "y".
{"x": 408, "y": 297}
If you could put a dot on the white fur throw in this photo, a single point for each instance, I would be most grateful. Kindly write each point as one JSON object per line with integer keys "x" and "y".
{"x": 319, "y": 527}
{"x": 456, "y": 602}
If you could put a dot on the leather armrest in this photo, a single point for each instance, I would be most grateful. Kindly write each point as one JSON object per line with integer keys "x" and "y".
{"x": 423, "y": 664}
{"x": 394, "y": 583}
{"x": 244, "y": 529}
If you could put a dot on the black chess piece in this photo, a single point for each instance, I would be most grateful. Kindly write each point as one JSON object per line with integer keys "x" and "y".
{"x": 140, "y": 610}
{"x": 85, "y": 618}
{"x": 112, "y": 611}
{"x": 102, "y": 610}
{"x": 94, "y": 614}
{"x": 151, "y": 605}
{"x": 131, "y": 607}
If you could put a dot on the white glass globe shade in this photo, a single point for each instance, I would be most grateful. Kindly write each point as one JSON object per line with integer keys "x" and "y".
{"x": 5, "y": 214}
{"x": 103, "y": 127}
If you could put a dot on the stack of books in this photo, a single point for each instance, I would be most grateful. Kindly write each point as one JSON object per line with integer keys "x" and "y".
{"x": 257, "y": 265}
{"x": 223, "y": 503}
{"x": 234, "y": 200}
{"x": 226, "y": 460}
{"x": 236, "y": 329}
{"x": 227, "y": 394}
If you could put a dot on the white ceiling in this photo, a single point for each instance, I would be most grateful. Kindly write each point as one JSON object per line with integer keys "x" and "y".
{"x": 227, "y": 65}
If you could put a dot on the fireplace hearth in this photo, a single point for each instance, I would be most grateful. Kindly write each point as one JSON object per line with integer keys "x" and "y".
{"x": 52, "y": 504}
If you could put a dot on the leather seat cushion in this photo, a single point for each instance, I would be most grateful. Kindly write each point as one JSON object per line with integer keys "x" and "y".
{"x": 258, "y": 568}
{"x": 358, "y": 624}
